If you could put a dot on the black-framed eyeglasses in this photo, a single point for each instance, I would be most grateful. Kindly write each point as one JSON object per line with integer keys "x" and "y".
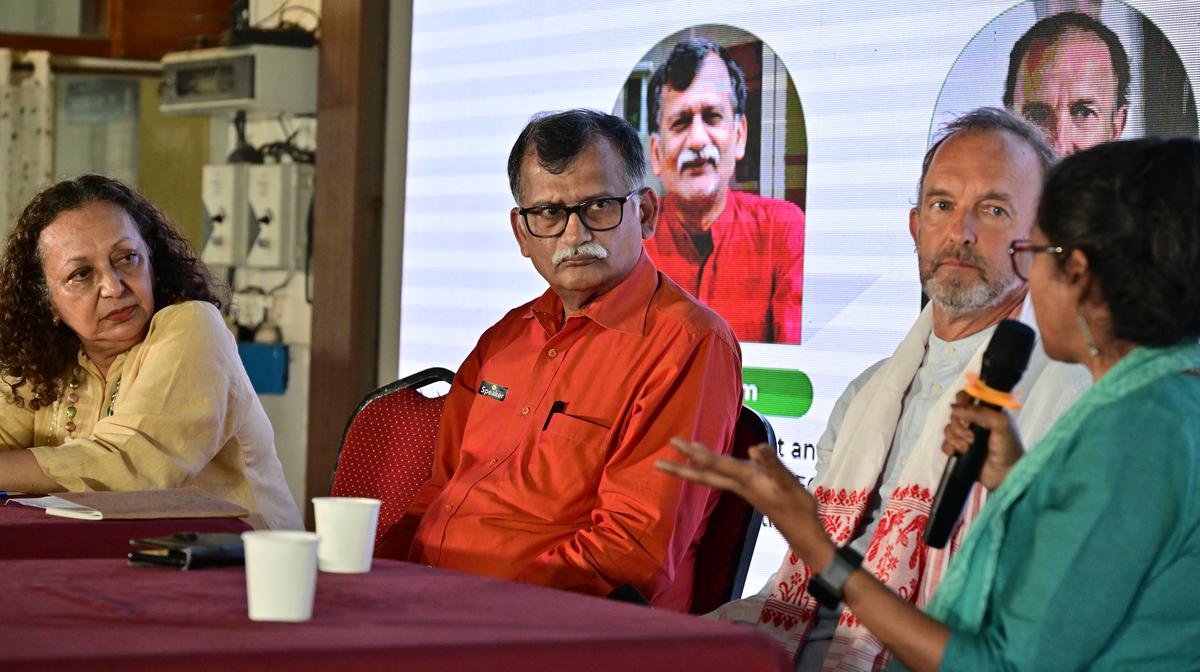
{"x": 597, "y": 214}
{"x": 1021, "y": 253}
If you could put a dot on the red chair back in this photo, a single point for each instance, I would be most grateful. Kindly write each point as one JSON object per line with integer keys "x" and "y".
{"x": 387, "y": 448}
{"x": 723, "y": 554}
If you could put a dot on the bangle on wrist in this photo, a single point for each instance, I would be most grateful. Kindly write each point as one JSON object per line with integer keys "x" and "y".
{"x": 827, "y": 586}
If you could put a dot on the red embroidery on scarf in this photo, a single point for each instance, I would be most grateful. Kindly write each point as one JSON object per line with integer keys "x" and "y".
{"x": 898, "y": 537}
{"x": 791, "y": 588}
{"x": 789, "y": 607}
{"x": 782, "y": 619}
{"x": 896, "y": 555}
{"x": 840, "y": 511}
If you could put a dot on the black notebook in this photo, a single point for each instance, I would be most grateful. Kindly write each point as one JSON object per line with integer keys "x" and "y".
{"x": 189, "y": 550}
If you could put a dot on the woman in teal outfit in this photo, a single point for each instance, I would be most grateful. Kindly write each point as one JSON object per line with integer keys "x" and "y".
{"x": 1087, "y": 554}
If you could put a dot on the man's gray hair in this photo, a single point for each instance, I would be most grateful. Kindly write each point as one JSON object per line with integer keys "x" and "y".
{"x": 990, "y": 120}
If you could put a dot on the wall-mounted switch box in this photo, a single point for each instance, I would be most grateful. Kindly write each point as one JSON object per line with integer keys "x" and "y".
{"x": 280, "y": 197}
{"x": 227, "y": 230}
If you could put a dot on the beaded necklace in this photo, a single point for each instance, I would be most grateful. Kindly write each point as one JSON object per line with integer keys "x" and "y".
{"x": 72, "y": 398}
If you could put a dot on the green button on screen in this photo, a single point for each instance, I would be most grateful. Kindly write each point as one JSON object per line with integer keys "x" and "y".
{"x": 779, "y": 392}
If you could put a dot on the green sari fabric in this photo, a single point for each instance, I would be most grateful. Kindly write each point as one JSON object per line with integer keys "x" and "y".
{"x": 1139, "y": 422}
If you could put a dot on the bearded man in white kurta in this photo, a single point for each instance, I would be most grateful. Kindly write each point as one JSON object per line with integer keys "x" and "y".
{"x": 879, "y": 461}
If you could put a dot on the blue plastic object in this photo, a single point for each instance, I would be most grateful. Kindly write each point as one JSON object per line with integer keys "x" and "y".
{"x": 267, "y": 366}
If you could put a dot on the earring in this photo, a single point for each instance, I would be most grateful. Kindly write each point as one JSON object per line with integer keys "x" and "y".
{"x": 1087, "y": 334}
{"x": 54, "y": 320}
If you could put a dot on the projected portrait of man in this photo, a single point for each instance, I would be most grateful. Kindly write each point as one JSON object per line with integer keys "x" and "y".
{"x": 1069, "y": 75}
{"x": 739, "y": 253}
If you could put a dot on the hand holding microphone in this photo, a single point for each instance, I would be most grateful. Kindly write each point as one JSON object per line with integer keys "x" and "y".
{"x": 1003, "y": 447}
{"x": 974, "y": 421}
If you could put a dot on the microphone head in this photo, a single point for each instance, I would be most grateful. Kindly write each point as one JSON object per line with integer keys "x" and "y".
{"x": 1007, "y": 355}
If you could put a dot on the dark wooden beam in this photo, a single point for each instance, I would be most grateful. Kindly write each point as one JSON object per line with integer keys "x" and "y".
{"x": 71, "y": 46}
{"x": 135, "y": 29}
{"x": 346, "y": 224}
{"x": 147, "y": 29}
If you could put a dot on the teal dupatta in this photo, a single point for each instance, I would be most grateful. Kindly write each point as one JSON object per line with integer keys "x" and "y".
{"x": 962, "y": 597}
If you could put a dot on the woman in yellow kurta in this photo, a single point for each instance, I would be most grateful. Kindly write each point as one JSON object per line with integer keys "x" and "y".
{"x": 118, "y": 372}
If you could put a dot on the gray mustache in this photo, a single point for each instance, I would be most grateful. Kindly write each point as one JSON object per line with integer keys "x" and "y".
{"x": 708, "y": 152}
{"x": 588, "y": 249}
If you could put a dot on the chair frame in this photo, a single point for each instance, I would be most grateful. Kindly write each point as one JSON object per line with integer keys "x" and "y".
{"x": 753, "y": 523}
{"x": 414, "y": 381}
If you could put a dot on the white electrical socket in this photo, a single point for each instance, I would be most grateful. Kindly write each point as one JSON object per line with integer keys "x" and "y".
{"x": 279, "y": 196}
{"x": 227, "y": 230}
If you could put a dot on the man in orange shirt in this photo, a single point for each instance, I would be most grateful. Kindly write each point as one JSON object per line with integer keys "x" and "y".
{"x": 740, "y": 253}
{"x": 544, "y": 471}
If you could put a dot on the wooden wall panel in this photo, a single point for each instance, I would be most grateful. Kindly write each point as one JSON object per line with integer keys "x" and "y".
{"x": 147, "y": 29}
{"x": 347, "y": 224}
{"x": 139, "y": 30}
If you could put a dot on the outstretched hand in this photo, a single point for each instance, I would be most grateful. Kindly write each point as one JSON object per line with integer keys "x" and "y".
{"x": 1004, "y": 446}
{"x": 761, "y": 480}
{"x": 916, "y": 639}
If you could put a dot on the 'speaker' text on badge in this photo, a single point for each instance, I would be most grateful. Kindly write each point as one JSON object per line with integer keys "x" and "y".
{"x": 497, "y": 392}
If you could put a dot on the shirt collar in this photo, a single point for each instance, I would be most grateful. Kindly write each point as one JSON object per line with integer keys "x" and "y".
{"x": 622, "y": 308}
{"x": 85, "y": 363}
{"x": 956, "y": 353}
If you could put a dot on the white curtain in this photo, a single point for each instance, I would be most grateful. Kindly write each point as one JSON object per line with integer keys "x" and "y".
{"x": 26, "y": 130}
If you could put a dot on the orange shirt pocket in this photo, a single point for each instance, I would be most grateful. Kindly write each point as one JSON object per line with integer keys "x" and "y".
{"x": 567, "y": 459}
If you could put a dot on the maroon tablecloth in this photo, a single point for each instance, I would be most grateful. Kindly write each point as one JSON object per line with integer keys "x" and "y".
{"x": 103, "y": 615}
{"x": 28, "y": 533}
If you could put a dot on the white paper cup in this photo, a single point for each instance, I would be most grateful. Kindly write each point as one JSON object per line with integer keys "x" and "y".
{"x": 346, "y": 526}
{"x": 281, "y": 574}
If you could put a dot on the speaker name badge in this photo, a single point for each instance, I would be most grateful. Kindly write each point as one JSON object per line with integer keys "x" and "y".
{"x": 494, "y": 391}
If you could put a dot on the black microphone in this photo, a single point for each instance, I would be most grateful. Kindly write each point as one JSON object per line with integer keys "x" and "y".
{"x": 1004, "y": 361}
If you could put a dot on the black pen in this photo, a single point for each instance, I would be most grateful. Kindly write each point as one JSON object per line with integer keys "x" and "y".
{"x": 556, "y": 407}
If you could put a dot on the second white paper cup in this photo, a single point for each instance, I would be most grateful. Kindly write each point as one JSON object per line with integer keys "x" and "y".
{"x": 281, "y": 574}
{"x": 347, "y": 529}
